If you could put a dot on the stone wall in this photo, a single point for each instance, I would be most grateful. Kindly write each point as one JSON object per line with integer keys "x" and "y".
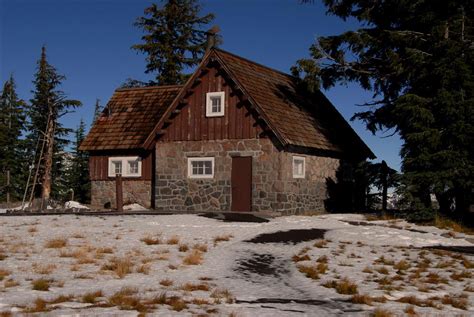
{"x": 273, "y": 185}
{"x": 134, "y": 191}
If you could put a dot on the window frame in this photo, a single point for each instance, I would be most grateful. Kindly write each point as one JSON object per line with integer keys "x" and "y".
{"x": 125, "y": 166}
{"x": 209, "y": 112}
{"x": 299, "y": 158}
{"x": 198, "y": 159}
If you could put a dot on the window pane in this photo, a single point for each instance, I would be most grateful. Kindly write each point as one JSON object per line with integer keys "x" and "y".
{"x": 133, "y": 167}
{"x": 203, "y": 167}
{"x": 117, "y": 167}
{"x": 216, "y": 104}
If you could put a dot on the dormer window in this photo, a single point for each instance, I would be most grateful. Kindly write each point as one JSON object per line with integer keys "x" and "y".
{"x": 215, "y": 102}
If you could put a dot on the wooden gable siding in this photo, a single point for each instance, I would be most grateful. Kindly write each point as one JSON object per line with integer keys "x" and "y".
{"x": 99, "y": 166}
{"x": 191, "y": 124}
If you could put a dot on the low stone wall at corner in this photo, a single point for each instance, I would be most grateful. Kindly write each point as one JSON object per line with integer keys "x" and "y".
{"x": 134, "y": 191}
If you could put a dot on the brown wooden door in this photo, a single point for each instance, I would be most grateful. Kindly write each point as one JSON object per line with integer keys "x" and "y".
{"x": 241, "y": 183}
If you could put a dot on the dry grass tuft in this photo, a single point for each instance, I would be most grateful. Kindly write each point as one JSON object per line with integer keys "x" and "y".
{"x": 121, "y": 266}
{"x": 309, "y": 271}
{"x": 459, "y": 301}
{"x": 461, "y": 276}
{"x": 41, "y": 285}
{"x": 56, "y": 243}
{"x": 126, "y": 299}
{"x": 3, "y": 273}
{"x": 43, "y": 269}
{"x": 193, "y": 258}
{"x": 200, "y": 247}
{"x": 190, "y": 287}
{"x": 3, "y": 256}
{"x": 166, "y": 282}
{"x": 380, "y": 312}
{"x": 322, "y": 259}
{"x": 343, "y": 286}
{"x": 173, "y": 240}
{"x": 382, "y": 270}
{"x": 144, "y": 269}
{"x": 222, "y": 238}
{"x": 183, "y": 248}
{"x": 410, "y": 310}
{"x": 219, "y": 294}
{"x": 149, "y": 240}
{"x": 320, "y": 244}
{"x": 39, "y": 306}
{"x": 366, "y": 299}
{"x": 176, "y": 303}
{"x": 384, "y": 261}
{"x": 297, "y": 258}
{"x": 91, "y": 297}
{"x": 402, "y": 265}
{"x": 10, "y": 283}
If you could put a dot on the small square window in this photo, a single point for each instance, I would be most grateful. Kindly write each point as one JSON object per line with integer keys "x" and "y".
{"x": 130, "y": 166}
{"x": 298, "y": 167}
{"x": 215, "y": 102}
{"x": 201, "y": 167}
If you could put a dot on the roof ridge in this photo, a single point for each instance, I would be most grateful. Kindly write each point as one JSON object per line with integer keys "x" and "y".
{"x": 255, "y": 63}
{"x": 148, "y": 87}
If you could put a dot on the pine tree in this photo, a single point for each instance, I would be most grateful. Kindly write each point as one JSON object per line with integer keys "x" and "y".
{"x": 417, "y": 57}
{"x": 173, "y": 40}
{"x": 97, "y": 111}
{"x": 12, "y": 121}
{"x": 47, "y": 136}
{"x": 79, "y": 171}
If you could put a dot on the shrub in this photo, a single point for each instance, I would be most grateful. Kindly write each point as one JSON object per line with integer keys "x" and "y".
{"x": 222, "y": 238}
{"x": 3, "y": 273}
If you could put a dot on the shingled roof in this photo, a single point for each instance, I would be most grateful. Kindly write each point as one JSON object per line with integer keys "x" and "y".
{"x": 301, "y": 119}
{"x": 129, "y": 117}
{"x": 296, "y": 119}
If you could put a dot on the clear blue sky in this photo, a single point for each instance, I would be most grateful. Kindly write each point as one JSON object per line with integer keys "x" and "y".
{"x": 89, "y": 42}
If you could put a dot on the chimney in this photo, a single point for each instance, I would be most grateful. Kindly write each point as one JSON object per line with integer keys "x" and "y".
{"x": 212, "y": 37}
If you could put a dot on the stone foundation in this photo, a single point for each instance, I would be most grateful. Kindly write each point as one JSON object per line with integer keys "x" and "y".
{"x": 134, "y": 191}
{"x": 273, "y": 185}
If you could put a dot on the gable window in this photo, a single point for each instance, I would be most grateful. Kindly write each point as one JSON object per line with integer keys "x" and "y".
{"x": 201, "y": 167}
{"x": 128, "y": 166}
{"x": 298, "y": 167}
{"x": 215, "y": 102}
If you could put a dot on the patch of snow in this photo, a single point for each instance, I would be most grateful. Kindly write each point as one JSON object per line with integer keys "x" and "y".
{"x": 74, "y": 204}
{"x": 134, "y": 207}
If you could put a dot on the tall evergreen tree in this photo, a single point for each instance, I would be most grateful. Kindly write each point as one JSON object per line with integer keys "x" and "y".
{"x": 173, "y": 40}
{"x": 417, "y": 56}
{"x": 79, "y": 170}
{"x": 48, "y": 105}
{"x": 97, "y": 111}
{"x": 12, "y": 121}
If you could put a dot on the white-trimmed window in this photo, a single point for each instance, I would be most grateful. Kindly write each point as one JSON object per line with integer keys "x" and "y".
{"x": 200, "y": 167}
{"x": 215, "y": 102}
{"x": 298, "y": 167}
{"x": 127, "y": 166}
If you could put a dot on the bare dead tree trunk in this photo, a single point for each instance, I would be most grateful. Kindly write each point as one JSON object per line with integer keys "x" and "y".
{"x": 8, "y": 187}
{"x": 48, "y": 162}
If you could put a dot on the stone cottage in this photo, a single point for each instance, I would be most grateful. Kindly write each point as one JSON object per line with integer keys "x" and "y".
{"x": 237, "y": 136}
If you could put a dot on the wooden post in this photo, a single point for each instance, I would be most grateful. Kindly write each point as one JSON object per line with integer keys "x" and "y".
{"x": 118, "y": 192}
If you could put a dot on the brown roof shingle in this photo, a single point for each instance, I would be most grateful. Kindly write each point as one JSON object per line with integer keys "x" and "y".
{"x": 129, "y": 118}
